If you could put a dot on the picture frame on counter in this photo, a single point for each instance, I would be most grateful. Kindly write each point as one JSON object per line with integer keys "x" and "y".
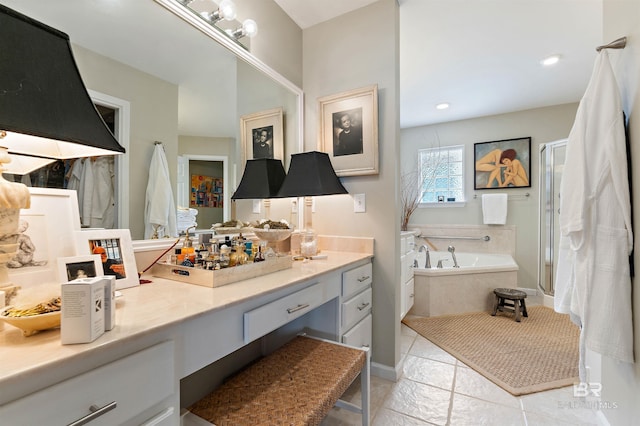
{"x": 262, "y": 135}
{"x": 349, "y": 130}
{"x": 74, "y": 267}
{"x": 115, "y": 250}
{"x": 44, "y": 235}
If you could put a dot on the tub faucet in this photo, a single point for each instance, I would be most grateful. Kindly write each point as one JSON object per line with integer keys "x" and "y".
{"x": 452, "y": 250}
{"x": 427, "y": 260}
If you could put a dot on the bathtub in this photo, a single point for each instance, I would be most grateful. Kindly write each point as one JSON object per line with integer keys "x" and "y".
{"x": 469, "y": 288}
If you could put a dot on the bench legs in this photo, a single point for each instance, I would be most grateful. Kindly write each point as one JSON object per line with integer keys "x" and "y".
{"x": 519, "y": 307}
{"x": 365, "y": 387}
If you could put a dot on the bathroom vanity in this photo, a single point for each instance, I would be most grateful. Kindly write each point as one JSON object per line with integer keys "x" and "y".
{"x": 167, "y": 330}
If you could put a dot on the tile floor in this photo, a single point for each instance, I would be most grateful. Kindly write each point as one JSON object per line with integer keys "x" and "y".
{"x": 437, "y": 389}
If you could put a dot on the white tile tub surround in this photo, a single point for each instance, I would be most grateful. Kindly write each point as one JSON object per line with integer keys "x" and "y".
{"x": 469, "y": 288}
{"x": 502, "y": 238}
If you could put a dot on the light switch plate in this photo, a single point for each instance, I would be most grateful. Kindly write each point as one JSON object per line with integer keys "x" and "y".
{"x": 256, "y": 206}
{"x": 359, "y": 203}
{"x": 294, "y": 206}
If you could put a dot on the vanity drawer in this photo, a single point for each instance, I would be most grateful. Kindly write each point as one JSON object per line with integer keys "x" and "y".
{"x": 360, "y": 334}
{"x": 356, "y": 308}
{"x": 356, "y": 279}
{"x": 130, "y": 385}
{"x": 267, "y": 318}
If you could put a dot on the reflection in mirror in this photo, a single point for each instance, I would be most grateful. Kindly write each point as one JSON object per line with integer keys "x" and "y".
{"x": 176, "y": 83}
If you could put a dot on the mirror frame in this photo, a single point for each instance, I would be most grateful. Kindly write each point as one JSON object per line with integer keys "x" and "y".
{"x": 243, "y": 54}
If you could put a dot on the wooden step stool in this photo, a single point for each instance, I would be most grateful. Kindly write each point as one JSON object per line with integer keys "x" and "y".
{"x": 516, "y": 299}
{"x": 298, "y": 384}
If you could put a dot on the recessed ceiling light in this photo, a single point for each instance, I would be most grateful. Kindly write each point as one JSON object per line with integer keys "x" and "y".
{"x": 443, "y": 105}
{"x": 550, "y": 60}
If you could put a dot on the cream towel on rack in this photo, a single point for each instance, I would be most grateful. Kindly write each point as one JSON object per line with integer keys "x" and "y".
{"x": 494, "y": 209}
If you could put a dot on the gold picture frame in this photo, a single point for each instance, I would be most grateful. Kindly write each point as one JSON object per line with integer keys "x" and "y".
{"x": 260, "y": 129}
{"x": 349, "y": 130}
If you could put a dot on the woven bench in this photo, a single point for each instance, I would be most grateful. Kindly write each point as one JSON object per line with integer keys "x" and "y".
{"x": 298, "y": 384}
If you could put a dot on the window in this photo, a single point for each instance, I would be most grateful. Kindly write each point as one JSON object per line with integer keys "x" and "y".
{"x": 442, "y": 174}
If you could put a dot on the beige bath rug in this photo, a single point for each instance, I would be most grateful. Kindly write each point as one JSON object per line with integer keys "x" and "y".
{"x": 537, "y": 354}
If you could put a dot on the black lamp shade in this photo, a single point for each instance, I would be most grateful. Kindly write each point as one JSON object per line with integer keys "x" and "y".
{"x": 261, "y": 179}
{"x": 42, "y": 93}
{"x": 311, "y": 174}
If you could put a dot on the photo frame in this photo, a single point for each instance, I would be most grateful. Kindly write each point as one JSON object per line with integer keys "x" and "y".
{"x": 71, "y": 268}
{"x": 502, "y": 164}
{"x": 349, "y": 131}
{"x": 46, "y": 233}
{"x": 261, "y": 134}
{"x": 115, "y": 250}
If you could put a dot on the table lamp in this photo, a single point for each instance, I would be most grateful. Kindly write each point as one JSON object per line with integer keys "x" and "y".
{"x": 261, "y": 180}
{"x": 310, "y": 174}
{"x": 46, "y": 114}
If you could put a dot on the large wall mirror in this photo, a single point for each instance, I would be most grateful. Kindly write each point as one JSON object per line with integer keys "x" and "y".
{"x": 172, "y": 80}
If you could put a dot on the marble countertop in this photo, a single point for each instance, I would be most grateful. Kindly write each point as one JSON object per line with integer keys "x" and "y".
{"x": 151, "y": 307}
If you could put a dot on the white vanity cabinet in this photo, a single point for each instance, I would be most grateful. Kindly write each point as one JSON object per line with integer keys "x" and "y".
{"x": 407, "y": 256}
{"x": 137, "y": 389}
{"x": 355, "y": 306}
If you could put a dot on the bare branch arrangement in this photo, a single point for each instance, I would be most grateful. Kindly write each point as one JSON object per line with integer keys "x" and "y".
{"x": 409, "y": 197}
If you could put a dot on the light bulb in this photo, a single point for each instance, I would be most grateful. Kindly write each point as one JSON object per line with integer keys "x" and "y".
{"x": 249, "y": 27}
{"x": 227, "y": 10}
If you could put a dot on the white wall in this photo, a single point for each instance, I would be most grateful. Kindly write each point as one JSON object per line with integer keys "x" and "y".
{"x": 542, "y": 124}
{"x": 154, "y": 117}
{"x": 621, "y": 382}
{"x": 352, "y": 51}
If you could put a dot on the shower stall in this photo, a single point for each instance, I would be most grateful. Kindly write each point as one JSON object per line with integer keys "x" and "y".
{"x": 552, "y": 158}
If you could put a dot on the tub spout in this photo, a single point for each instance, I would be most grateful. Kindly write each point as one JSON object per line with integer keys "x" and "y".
{"x": 427, "y": 260}
{"x": 452, "y": 250}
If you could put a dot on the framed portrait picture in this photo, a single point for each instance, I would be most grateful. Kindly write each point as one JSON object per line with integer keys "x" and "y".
{"x": 115, "y": 250}
{"x": 349, "y": 131}
{"x": 71, "y": 268}
{"x": 502, "y": 164}
{"x": 262, "y": 135}
{"x": 45, "y": 233}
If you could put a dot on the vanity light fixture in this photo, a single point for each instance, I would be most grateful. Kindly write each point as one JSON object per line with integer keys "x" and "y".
{"x": 310, "y": 174}
{"x": 442, "y": 105}
{"x": 226, "y": 10}
{"x": 249, "y": 28}
{"x": 550, "y": 60}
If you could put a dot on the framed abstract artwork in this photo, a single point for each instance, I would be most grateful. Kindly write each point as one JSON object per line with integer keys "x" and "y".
{"x": 502, "y": 164}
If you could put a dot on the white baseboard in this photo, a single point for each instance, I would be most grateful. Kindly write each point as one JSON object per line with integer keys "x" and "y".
{"x": 386, "y": 372}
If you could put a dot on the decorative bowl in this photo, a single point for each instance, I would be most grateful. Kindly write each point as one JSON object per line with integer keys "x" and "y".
{"x": 220, "y": 230}
{"x": 33, "y": 323}
{"x": 272, "y": 235}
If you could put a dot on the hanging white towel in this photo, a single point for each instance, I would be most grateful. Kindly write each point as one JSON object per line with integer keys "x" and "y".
{"x": 160, "y": 209}
{"x": 494, "y": 209}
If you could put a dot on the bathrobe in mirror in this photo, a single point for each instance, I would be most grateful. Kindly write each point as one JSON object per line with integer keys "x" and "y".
{"x": 593, "y": 281}
{"x": 159, "y": 208}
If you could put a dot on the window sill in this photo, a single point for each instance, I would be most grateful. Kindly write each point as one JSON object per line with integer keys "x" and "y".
{"x": 442, "y": 205}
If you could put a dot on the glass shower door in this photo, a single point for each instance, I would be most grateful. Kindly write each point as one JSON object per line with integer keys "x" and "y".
{"x": 552, "y": 158}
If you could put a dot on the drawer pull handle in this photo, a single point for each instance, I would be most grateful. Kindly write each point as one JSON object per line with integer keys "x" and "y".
{"x": 361, "y": 279}
{"x": 364, "y": 305}
{"x": 95, "y": 413}
{"x": 411, "y": 295}
{"x": 297, "y": 308}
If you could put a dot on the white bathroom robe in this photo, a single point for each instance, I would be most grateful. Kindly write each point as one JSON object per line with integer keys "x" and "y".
{"x": 593, "y": 282}
{"x": 159, "y": 208}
